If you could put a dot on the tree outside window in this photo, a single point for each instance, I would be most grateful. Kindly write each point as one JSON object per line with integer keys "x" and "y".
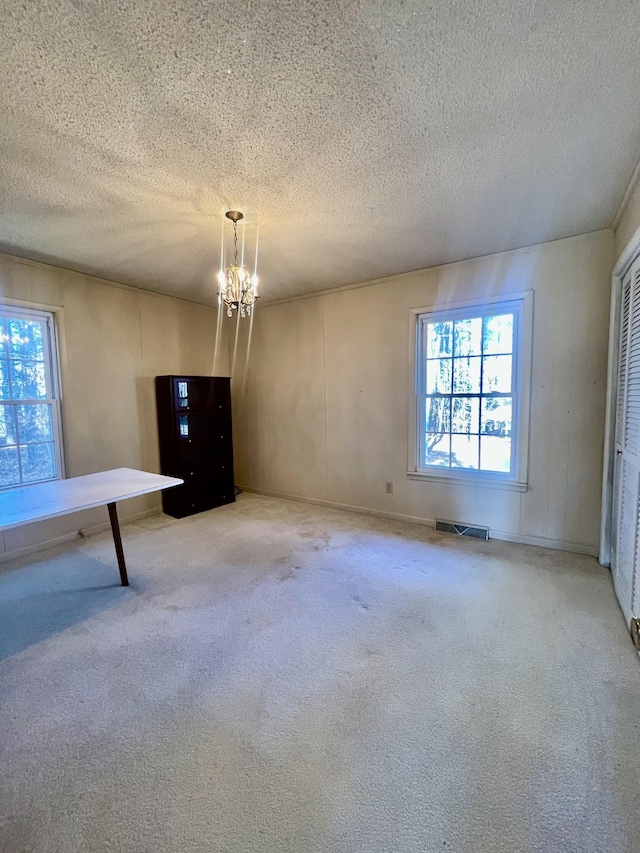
{"x": 29, "y": 444}
{"x": 468, "y": 379}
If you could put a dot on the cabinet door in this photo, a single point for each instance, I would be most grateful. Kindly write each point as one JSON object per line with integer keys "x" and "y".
{"x": 202, "y": 427}
{"x": 212, "y": 467}
{"x": 189, "y": 499}
{"x": 201, "y": 393}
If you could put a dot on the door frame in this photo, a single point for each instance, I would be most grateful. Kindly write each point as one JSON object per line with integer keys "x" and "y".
{"x": 624, "y": 262}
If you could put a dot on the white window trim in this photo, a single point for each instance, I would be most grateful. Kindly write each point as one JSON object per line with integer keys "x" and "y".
{"x": 522, "y": 302}
{"x": 53, "y": 316}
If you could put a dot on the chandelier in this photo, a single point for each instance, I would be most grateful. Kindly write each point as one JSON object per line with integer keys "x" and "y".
{"x": 237, "y": 287}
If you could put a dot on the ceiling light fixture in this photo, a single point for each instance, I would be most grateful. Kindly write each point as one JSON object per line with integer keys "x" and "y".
{"x": 237, "y": 287}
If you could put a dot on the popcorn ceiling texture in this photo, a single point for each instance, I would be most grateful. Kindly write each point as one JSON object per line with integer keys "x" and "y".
{"x": 365, "y": 139}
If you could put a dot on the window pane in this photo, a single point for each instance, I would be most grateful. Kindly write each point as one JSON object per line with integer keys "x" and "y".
{"x": 7, "y": 425}
{"x": 496, "y": 416}
{"x": 469, "y": 375}
{"x": 28, "y": 448}
{"x": 439, "y": 339}
{"x": 28, "y": 380}
{"x": 437, "y": 449}
{"x": 496, "y": 373}
{"x": 466, "y": 375}
{"x": 467, "y": 335}
{"x": 9, "y": 469}
{"x": 438, "y": 415}
{"x": 439, "y": 376}
{"x": 4, "y": 379}
{"x": 498, "y": 334}
{"x": 26, "y": 338}
{"x": 495, "y": 454}
{"x": 464, "y": 451}
{"x": 37, "y": 462}
{"x": 34, "y": 423}
{"x": 466, "y": 411}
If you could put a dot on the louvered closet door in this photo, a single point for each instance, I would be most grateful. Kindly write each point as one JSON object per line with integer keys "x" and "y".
{"x": 626, "y": 527}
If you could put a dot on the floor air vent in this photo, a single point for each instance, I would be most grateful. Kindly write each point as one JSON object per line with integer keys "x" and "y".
{"x": 462, "y": 529}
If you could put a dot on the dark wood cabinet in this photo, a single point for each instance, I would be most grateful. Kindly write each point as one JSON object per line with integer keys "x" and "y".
{"x": 194, "y": 428}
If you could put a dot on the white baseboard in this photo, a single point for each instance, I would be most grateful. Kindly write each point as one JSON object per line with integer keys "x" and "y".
{"x": 73, "y": 536}
{"x": 556, "y": 544}
{"x": 540, "y": 541}
{"x": 543, "y": 542}
{"x": 362, "y": 510}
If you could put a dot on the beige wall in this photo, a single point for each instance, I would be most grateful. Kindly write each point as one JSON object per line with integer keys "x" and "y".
{"x": 114, "y": 341}
{"x": 322, "y": 412}
{"x": 629, "y": 221}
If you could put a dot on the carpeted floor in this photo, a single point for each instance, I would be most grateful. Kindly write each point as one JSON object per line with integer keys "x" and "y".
{"x": 284, "y": 678}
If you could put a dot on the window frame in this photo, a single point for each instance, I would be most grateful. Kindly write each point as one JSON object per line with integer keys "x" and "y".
{"x": 51, "y": 316}
{"x": 521, "y": 304}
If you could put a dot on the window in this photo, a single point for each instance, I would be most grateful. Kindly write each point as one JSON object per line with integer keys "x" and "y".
{"x": 472, "y": 396}
{"x": 30, "y": 446}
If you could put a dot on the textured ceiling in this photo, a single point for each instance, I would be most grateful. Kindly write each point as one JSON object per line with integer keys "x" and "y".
{"x": 365, "y": 138}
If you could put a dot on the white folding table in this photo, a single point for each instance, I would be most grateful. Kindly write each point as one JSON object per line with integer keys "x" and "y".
{"x": 60, "y": 497}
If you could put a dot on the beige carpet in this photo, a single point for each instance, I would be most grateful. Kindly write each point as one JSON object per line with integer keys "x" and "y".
{"x": 281, "y": 678}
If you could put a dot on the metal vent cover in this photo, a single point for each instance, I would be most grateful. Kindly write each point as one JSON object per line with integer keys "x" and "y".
{"x": 461, "y": 529}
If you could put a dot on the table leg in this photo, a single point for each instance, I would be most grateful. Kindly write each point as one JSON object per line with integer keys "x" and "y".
{"x": 117, "y": 541}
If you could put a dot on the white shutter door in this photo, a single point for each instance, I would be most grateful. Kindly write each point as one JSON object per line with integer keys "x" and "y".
{"x": 626, "y": 551}
{"x": 620, "y": 407}
{"x": 633, "y": 426}
{"x": 622, "y": 361}
{"x": 634, "y": 580}
{"x": 632, "y": 396}
{"x": 627, "y": 533}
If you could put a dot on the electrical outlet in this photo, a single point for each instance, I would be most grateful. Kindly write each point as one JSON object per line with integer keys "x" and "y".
{"x": 388, "y": 487}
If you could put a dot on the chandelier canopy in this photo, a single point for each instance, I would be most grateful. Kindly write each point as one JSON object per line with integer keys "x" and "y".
{"x": 237, "y": 287}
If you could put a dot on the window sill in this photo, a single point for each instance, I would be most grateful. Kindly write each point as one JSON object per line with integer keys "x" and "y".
{"x": 466, "y": 480}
